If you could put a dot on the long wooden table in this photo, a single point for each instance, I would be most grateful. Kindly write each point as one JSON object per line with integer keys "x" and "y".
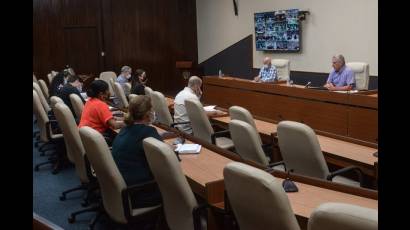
{"x": 351, "y": 115}
{"x": 204, "y": 172}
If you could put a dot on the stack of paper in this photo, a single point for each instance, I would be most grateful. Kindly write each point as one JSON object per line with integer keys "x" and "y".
{"x": 188, "y": 148}
{"x": 210, "y": 108}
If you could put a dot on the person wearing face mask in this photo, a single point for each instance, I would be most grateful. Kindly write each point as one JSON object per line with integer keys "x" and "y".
{"x": 73, "y": 86}
{"x": 268, "y": 72}
{"x": 58, "y": 82}
{"x": 125, "y": 75}
{"x": 138, "y": 82}
{"x": 129, "y": 154}
{"x": 96, "y": 113}
{"x": 192, "y": 91}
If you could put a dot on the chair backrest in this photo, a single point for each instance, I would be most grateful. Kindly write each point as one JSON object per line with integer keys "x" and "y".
{"x": 301, "y": 150}
{"x": 339, "y": 216}
{"x": 44, "y": 88}
{"x": 131, "y": 96}
{"x": 200, "y": 124}
{"x": 179, "y": 200}
{"x": 361, "y": 70}
{"x": 269, "y": 208}
{"x": 148, "y": 91}
{"x": 35, "y": 79}
{"x": 119, "y": 93}
{"x": 283, "y": 68}
{"x": 160, "y": 107}
{"x": 54, "y": 100}
{"x": 109, "y": 177}
{"x": 106, "y": 76}
{"x": 43, "y": 100}
{"x": 41, "y": 116}
{"x": 51, "y": 75}
{"x": 71, "y": 134}
{"x": 77, "y": 105}
{"x": 247, "y": 142}
{"x": 127, "y": 88}
{"x": 242, "y": 114}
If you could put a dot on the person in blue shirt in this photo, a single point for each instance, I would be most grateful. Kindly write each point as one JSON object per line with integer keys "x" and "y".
{"x": 341, "y": 78}
{"x": 129, "y": 154}
{"x": 124, "y": 76}
{"x": 268, "y": 72}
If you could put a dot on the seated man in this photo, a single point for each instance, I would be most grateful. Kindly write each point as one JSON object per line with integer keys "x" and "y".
{"x": 192, "y": 91}
{"x": 268, "y": 72}
{"x": 341, "y": 78}
{"x": 73, "y": 86}
{"x": 124, "y": 76}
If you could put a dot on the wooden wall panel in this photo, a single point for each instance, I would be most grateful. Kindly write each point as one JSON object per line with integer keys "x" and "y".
{"x": 151, "y": 35}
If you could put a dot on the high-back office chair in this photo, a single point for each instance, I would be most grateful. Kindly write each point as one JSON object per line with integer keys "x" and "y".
{"x": 339, "y": 216}
{"x": 242, "y": 114}
{"x": 119, "y": 93}
{"x": 76, "y": 154}
{"x": 301, "y": 153}
{"x": 54, "y": 100}
{"x": 201, "y": 126}
{"x": 42, "y": 98}
{"x": 180, "y": 205}
{"x": 361, "y": 70}
{"x": 131, "y": 96}
{"x": 269, "y": 208}
{"x": 106, "y": 76}
{"x": 46, "y": 134}
{"x": 35, "y": 79}
{"x": 127, "y": 88}
{"x": 148, "y": 91}
{"x": 44, "y": 88}
{"x": 283, "y": 68}
{"x": 51, "y": 76}
{"x": 115, "y": 193}
{"x": 160, "y": 107}
{"x": 248, "y": 144}
{"x": 77, "y": 104}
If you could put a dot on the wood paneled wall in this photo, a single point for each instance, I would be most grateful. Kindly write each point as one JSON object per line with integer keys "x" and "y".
{"x": 151, "y": 35}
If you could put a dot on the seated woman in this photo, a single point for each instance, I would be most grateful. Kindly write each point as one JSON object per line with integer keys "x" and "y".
{"x": 138, "y": 82}
{"x": 96, "y": 113}
{"x": 128, "y": 151}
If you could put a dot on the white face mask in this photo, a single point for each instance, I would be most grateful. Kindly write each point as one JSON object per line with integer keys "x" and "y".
{"x": 128, "y": 76}
{"x": 265, "y": 66}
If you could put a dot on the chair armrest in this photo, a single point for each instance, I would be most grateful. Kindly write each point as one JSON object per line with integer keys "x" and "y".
{"x": 196, "y": 213}
{"x": 347, "y": 169}
{"x": 49, "y": 131}
{"x": 179, "y": 123}
{"x": 224, "y": 133}
{"x": 126, "y": 193}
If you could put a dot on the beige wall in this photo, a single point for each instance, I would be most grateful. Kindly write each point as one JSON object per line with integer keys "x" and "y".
{"x": 349, "y": 27}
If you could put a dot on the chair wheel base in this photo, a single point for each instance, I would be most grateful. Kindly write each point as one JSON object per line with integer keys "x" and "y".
{"x": 71, "y": 219}
{"x": 63, "y": 198}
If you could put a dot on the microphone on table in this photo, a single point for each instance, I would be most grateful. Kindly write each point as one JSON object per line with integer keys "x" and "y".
{"x": 308, "y": 84}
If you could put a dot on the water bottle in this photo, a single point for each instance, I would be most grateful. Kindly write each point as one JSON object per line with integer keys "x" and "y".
{"x": 220, "y": 73}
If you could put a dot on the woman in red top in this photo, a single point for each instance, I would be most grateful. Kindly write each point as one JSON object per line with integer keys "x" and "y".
{"x": 96, "y": 113}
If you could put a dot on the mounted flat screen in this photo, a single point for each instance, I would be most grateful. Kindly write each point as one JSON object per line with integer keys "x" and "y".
{"x": 277, "y": 31}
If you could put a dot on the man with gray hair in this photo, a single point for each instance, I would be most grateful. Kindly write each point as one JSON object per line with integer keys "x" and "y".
{"x": 124, "y": 76}
{"x": 341, "y": 78}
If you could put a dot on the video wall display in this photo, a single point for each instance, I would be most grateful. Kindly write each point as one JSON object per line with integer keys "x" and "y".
{"x": 277, "y": 31}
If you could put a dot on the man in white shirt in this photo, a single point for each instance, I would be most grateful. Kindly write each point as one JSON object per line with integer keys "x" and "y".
{"x": 192, "y": 91}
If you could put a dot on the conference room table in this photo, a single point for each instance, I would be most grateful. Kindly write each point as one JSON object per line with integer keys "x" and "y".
{"x": 204, "y": 172}
{"x": 350, "y": 114}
